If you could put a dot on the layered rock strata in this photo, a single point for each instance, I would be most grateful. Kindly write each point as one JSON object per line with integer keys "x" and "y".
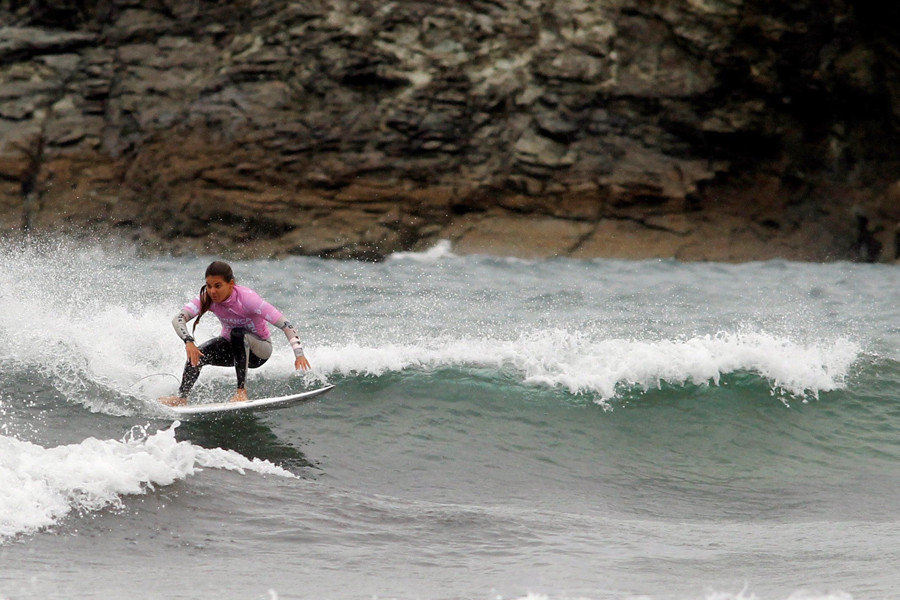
{"x": 695, "y": 129}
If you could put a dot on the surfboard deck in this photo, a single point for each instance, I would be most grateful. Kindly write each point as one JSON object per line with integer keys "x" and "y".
{"x": 219, "y": 409}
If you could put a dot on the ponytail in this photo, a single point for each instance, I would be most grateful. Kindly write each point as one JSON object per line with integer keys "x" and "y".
{"x": 205, "y": 303}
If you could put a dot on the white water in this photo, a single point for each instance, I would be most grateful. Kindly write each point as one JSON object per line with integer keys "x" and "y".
{"x": 41, "y": 486}
{"x": 582, "y": 364}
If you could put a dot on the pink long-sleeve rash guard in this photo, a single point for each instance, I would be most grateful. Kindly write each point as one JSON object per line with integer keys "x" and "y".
{"x": 243, "y": 308}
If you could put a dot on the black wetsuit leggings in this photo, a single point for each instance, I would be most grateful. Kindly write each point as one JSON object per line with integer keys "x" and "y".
{"x": 222, "y": 352}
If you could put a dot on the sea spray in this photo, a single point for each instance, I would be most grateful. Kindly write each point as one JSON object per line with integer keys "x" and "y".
{"x": 85, "y": 319}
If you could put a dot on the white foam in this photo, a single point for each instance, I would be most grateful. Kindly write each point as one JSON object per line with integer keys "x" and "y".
{"x": 583, "y": 365}
{"x": 43, "y": 485}
{"x": 442, "y": 250}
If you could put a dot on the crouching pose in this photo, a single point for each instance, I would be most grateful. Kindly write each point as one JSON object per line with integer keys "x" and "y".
{"x": 244, "y": 342}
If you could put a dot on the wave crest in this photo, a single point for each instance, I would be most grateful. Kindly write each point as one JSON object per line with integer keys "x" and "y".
{"x": 581, "y": 365}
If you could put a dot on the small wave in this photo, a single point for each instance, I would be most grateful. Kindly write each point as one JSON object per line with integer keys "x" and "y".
{"x": 43, "y": 485}
{"x": 442, "y": 250}
{"x": 581, "y": 365}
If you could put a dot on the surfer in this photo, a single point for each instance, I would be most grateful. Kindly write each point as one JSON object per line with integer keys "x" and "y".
{"x": 244, "y": 342}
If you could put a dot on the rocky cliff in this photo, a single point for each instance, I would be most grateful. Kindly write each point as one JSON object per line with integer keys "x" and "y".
{"x": 694, "y": 129}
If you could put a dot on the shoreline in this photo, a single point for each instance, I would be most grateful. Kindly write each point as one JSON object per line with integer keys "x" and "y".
{"x": 698, "y": 237}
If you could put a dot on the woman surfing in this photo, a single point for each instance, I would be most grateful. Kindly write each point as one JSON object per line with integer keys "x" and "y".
{"x": 244, "y": 341}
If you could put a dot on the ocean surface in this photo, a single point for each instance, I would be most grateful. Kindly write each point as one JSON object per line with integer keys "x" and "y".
{"x": 500, "y": 429}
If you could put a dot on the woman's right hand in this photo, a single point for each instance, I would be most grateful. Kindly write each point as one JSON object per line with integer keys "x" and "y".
{"x": 193, "y": 353}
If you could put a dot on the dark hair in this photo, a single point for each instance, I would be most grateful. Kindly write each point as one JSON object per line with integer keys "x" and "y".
{"x": 215, "y": 269}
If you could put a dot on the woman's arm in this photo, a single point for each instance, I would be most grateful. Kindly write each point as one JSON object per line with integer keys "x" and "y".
{"x": 300, "y": 361}
{"x": 180, "y": 324}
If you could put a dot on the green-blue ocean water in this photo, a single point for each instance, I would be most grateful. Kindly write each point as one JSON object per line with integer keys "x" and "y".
{"x": 500, "y": 429}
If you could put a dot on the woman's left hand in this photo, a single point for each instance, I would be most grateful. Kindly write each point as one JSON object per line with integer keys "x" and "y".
{"x": 301, "y": 363}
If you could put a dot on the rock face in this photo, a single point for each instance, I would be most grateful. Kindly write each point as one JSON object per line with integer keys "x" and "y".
{"x": 695, "y": 129}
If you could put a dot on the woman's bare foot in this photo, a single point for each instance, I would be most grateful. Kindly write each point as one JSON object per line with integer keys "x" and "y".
{"x": 239, "y": 396}
{"x": 173, "y": 400}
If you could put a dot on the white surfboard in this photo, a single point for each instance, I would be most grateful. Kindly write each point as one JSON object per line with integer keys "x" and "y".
{"x": 192, "y": 411}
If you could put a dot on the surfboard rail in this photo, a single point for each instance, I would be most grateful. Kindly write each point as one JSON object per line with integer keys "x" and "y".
{"x": 214, "y": 409}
